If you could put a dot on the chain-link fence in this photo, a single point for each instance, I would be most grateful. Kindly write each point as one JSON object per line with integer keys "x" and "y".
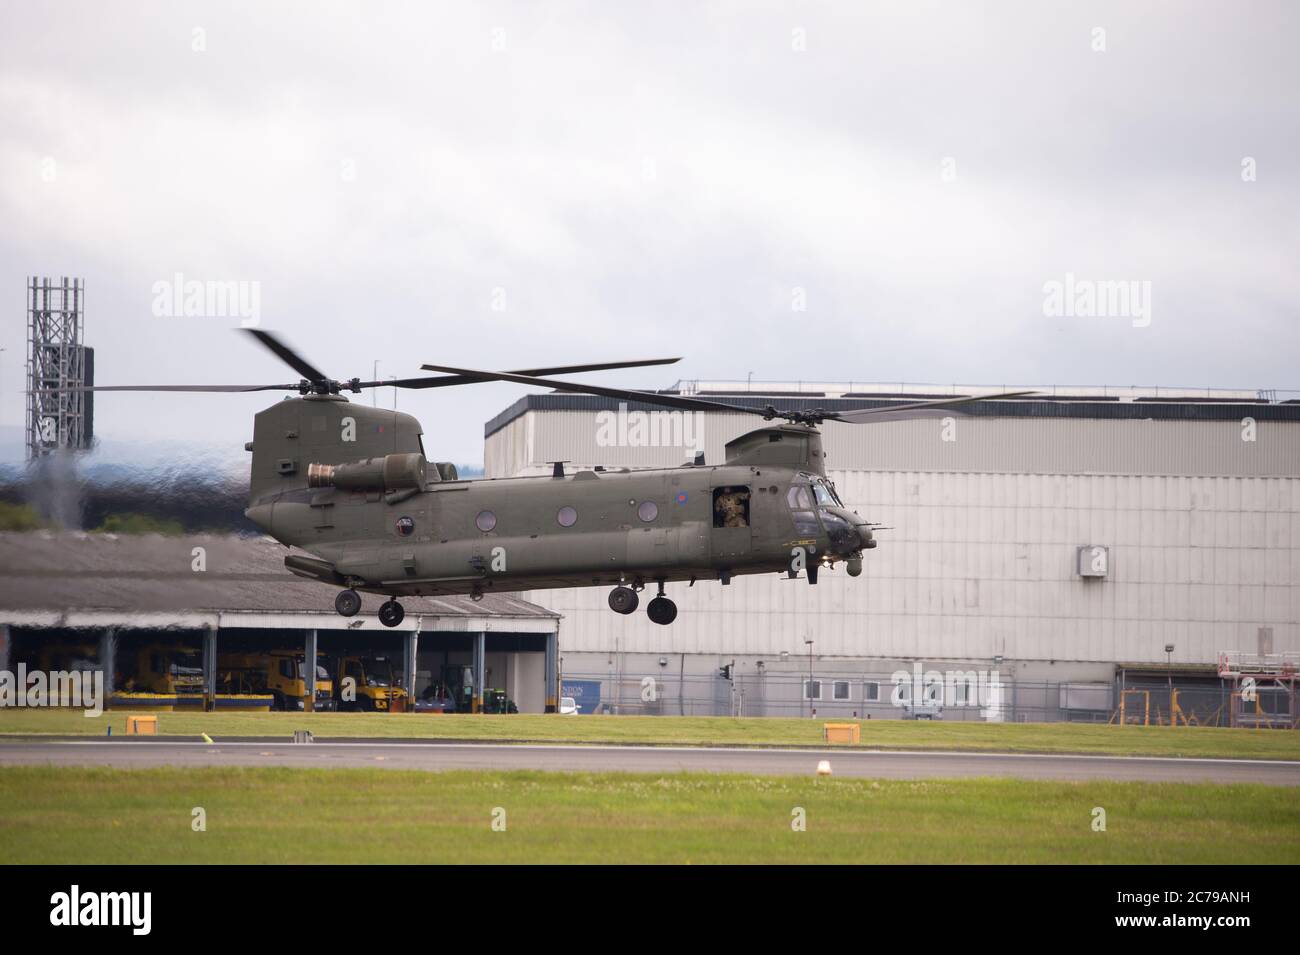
{"x": 951, "y": 695}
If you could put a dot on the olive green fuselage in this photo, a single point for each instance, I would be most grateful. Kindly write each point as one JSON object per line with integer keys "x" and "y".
{"x": 585, "y": 528}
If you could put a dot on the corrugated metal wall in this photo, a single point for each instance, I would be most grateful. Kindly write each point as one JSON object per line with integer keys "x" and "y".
{"x": 1204, "y": 546}
{"x": 1026, "y": 445}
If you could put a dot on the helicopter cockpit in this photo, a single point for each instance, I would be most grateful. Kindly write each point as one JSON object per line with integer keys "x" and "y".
{"x": 815, "y": 504}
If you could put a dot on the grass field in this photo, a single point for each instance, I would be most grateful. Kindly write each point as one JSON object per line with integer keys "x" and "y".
{"x": 698, "y": 731}
{"x": 68, "y": 815}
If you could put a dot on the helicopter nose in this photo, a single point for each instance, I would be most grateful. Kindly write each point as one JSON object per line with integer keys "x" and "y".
{"x": 867, "y": 538}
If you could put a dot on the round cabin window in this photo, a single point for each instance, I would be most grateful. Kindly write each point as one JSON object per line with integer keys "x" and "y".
{"x": 648, "y": 511}
{"x": 485, "y": 521}
{"x": 566, "y": 516}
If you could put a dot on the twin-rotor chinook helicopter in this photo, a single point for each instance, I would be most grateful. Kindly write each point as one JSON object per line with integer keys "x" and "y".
{"x": 351, "y": 485}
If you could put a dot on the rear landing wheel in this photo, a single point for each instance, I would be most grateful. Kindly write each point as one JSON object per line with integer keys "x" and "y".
{"x": 623, "y": 600}
{"x": 347, "y": 603}
{"x": 391, "y": 613}
{"x": 662, "y": 611}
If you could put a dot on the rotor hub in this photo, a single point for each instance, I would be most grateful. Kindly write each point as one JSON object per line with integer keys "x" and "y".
{"x": 327, "y": 386}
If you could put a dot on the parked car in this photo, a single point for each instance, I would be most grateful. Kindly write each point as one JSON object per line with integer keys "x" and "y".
{"x": 923, "y": 711}
{"x": 569, "y": 706}
{"x": 436, "y": 698}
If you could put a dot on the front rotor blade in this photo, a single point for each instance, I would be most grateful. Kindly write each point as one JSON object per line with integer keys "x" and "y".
{"x": 287, "y": 355}
{"x": 917, "y": 409}
{"x": 648, "y": 397}
{"x": 595, "y": 366}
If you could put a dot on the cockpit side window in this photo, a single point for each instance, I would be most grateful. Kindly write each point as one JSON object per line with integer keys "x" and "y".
{"x": 798, "y": 497}
{"x": 805, "y": 523}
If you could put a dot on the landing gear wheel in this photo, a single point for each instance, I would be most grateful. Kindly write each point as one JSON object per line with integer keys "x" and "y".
{"x": 662, "y": 611}
{"x": 623, "y": 600}
{"x": 391, "y": 613}
{"x": 347, "y": 603}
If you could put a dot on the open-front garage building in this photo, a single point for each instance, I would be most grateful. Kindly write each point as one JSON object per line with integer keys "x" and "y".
{"x": 217, "y": 622}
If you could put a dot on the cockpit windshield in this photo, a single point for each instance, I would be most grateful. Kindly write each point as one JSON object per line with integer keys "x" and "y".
{"x": 825, "y": 493}
{"x": 820, "y": 490}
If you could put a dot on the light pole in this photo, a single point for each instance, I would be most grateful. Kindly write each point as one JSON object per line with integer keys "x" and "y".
{"x": 811, "y": 710}
{"x": 785, "y": 656}
{"x": 1169, "y": 672}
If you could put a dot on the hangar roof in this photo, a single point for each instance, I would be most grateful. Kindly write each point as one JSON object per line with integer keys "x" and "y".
{"x": 143, "y": 574}
{"x": 1151, "y": 403}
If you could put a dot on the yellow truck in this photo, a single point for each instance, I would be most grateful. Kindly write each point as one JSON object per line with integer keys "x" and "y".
{"x": 280, "y": 673}
{"x": 369, "y": 683}
{"x": 171, "y": 671}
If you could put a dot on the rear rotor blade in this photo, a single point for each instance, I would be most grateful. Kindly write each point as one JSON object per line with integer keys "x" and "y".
{"x": 193, "y": 388}
{"x": 287, "y": 355}
{"x": 310, "y": 373}
{"x": 445, "y": 381}
{"x": 648, "y": 397}
{"x": 433, "y": 381}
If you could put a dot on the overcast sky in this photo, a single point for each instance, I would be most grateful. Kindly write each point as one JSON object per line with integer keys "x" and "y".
{"x": 651, "y": 179}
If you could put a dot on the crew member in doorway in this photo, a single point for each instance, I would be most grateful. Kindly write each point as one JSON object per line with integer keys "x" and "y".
{"x": 731, "y": 507}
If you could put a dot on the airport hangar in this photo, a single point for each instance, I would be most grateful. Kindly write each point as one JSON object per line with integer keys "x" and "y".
{"x": 1194, "y": 495}
{"x": 112, "y": 597}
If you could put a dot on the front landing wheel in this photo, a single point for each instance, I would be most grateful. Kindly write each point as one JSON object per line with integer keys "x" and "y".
{"x": 662, "y": 611}
{"x": 391, "y": 613}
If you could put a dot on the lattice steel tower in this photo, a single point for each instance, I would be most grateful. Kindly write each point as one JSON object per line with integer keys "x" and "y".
{"x": 56, "y": 361}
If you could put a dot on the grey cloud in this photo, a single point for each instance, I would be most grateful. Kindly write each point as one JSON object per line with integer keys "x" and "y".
{"x": 655, "y": 180}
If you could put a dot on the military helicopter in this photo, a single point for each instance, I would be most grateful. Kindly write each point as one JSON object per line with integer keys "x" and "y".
{"x": 352, "y": 486}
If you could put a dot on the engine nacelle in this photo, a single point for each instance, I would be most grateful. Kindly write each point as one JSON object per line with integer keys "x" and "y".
{"x": 392, "y": 472}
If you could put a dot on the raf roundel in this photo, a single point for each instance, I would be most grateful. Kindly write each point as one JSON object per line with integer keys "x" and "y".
{"x": 405, "y": 526}
{"x": 681, "y": 497}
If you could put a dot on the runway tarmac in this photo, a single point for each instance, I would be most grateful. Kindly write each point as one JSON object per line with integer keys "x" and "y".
{"x": 878, "y": 764}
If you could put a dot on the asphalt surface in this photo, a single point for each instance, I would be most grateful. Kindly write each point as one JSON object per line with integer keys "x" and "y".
{"x": 649, "y": 759}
